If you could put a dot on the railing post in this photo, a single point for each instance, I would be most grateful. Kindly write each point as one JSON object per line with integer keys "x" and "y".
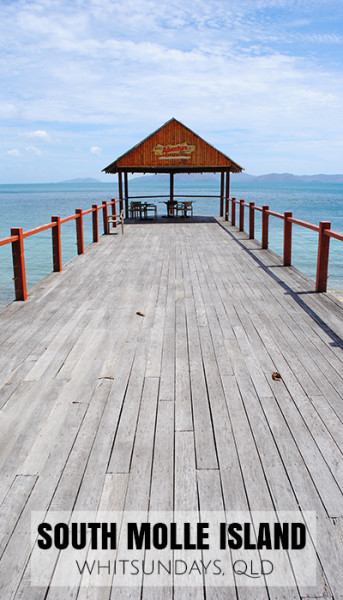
{"x": 95, "y": 223}
{"x": 323, "y": 257}
{"x": 233, "y": 211}
{"x": 222, "y": 179}
{"x": 287, "y": 239}
{"x": 79, "y": 231}
{"x": 56, "y": 244}
{"x": 241, "y": 215}
{"x": 251, "y": 220}
{"x": 265, "y": 215}
{"x": 227, "y": 208}
{"x": 19, "y": 264}
{"x": 104, "y": 216}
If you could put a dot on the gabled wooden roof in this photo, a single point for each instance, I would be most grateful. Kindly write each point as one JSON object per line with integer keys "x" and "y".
{"x": 173, "y": 148}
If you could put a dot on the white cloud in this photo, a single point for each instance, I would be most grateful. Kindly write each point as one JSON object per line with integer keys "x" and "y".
{"x": 234, "y": 71}
{"x": 33, "y": 150}
{"x": 39, "y": 135}
{"x": 95, "y": 150}
{"x": 7, "y": 110}
{"x": 15, "y": 152}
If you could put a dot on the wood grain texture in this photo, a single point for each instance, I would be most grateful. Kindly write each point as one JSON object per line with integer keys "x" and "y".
{"x": 101, "y": 408}
{"x": 173, "y": 134}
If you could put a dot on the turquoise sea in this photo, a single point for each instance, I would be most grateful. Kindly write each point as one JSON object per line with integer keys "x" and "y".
{"x": 31, "y": 205}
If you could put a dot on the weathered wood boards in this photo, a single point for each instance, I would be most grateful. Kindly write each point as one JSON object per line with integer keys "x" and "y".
{"x": 102, "y": 408}
{"x": 173, "y": 148}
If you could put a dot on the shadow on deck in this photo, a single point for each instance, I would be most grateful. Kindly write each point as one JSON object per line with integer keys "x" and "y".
{"x": 272, "y": 268}
{"x": 141, "y": 379}
{"x": 164, "y": 219}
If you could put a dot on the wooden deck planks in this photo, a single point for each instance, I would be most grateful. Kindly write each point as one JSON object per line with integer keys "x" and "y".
{"x": 175, "y": 410}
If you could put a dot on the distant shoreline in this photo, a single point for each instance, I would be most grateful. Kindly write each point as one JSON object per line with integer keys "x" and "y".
{"x": 270, "y": 177}
{"x": 206, "y": 178}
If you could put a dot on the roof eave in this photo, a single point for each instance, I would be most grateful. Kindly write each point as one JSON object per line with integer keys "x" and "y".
{"x": 114, "y": 168}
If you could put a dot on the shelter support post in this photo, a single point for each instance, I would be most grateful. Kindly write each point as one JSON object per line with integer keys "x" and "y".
{"x": 126, "y": 194}
{"x": 171, "y": 194}
{"x": 227, "y": 208}
{"x": 227, "y": 195}
{"x": 222, "y": 178}
{"x": 120, "y": 187}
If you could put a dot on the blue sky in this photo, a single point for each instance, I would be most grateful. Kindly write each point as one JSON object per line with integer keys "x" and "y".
{"x": 83, "y": 81}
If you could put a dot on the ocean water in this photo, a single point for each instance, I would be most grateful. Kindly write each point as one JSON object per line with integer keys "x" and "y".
{"x": 32, "y": 205}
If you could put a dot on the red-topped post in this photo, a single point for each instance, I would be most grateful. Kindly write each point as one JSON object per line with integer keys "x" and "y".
{"x": 56, "y": 244}
{"x": 104, "y": 216}
{"x": 241, "y": 215}
{"x": 287, "y": 239}
{"x": 265, "y": 224}
{"x": 19, "y": 264}
{"x": 323, "y": 257}
{"x": 79, "y": 231}
{"x": 233, "y": 211}
{"x": 95, "y": 226}
{"x": 251, "y": 220}
{"x": 126, "y": 194}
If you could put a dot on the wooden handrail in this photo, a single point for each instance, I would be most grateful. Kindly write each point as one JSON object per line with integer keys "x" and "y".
{"x": 18, "y": 235}
{"x": 38, "y": 229}
{"x": 271, "y": 213}
{"x": 8, "y": 240}
{"x": 305, "y": 224}
{"x": 324, "y": 230}
{"x": 70, "y": 218}
{"x": 333, "y": 234}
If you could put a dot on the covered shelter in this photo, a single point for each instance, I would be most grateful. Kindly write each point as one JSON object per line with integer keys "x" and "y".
{"x": 172, "y": 149}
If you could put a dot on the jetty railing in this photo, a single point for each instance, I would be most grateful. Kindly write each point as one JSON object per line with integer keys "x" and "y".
{"x": 325, "y": 233}
{"x": 18, "y": 235}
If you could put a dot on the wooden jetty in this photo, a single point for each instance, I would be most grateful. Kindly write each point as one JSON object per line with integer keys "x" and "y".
{"x": 103, "y": 408}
